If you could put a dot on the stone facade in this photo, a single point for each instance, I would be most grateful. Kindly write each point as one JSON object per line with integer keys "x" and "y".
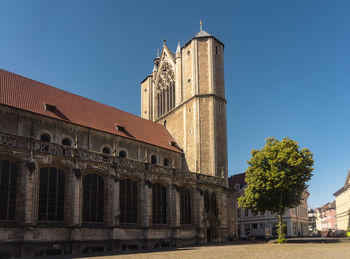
{"x": 186, "y": 93}
{"x": 167, "y": 203}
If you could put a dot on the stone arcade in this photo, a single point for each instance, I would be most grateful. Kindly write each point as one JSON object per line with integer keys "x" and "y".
{"x": 80, "y": 176}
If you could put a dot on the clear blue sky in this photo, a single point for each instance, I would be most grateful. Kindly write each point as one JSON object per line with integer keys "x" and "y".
{"x": 287, "y": 64}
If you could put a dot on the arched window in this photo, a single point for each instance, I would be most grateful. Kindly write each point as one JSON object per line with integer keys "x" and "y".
{"x": 206, "y": 201}
{"x": 213, "y": 204}
{"x": 45, "y": 138}
{"x": 106, "y": 150}
{"x": 185, "y": 207}
{"x": 128, "y": 201}
{"x": 51, "y": 194}
{"x": 8, "y": 189}
{"x": 154, "y": 159}
{"x": 166, "y": 162}
{"x": 93, "y": 198}
{"x": 159, "y": 204}
{"x": 66, "y": 142}
{"x": 122, "y": 154}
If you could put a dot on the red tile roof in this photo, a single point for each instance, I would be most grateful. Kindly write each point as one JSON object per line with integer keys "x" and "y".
{"x": 237, "y": 178}
{"x": 26, "y": 94}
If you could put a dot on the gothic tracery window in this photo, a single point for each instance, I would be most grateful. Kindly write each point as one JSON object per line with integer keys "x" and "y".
{"x": 51, "y": 194}
{"x": 93, "y": 198}
{"x": 128, "y": 201}
{"x": 8, "y": 189}
{"x": 166, "y": 89}
{"x": 159, "y": 203}
{"x": 185, "y": 207}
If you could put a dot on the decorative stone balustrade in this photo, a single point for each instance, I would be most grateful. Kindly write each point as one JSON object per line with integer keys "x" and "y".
{"x": 35, "y": 146}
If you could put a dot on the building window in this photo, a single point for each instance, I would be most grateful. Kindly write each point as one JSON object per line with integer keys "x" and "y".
{"x": 254, "y": 226}
{"x": 166, "y": 162}
{"x": 213, "y": 204}
{"x": 185, "y": 207}
{"x": 154, "y": 159}
{"x": 122, "y": 154}
{"x": 255, "y": 213}
{"x": 238, "y": 212}
{"x": 93, "y": 198}
{"x": 66, "y": 142}
{"x": 261, "y": 225}
{"x": 106, "y": 150}
{"x": 51, "y": 194}
{"x": 45, "y": 138}
{"x": 128, "y": 201}
{"x": 246, "y": 213}
{"x": 206, "y": 201}
{"x": 159, "y": 204}
{"x": 8, "y": 189}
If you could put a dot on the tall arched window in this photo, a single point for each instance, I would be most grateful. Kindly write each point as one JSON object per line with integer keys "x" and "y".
{"x": 213, "y": 204}
{"x": 8, "y": 189}
{"x": 154, "y": 159}
{"x": 128, "y": 201}
{"x": 51, "y": 194}
{"x": 185, "y": 207}
{"x": 159, "y": 203}
{"x": 206, "y": 201}
{"x": 93, "y": 198}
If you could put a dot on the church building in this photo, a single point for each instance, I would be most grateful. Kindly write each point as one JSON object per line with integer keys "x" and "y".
{"x": 78, "y": 176}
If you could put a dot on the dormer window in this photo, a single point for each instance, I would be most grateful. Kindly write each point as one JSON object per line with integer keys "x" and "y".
{"x": 120, "y": 128}
{"x": 50, "y": 108}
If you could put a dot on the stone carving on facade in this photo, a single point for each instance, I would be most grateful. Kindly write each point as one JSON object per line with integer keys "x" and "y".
{"x": 166, "y": 76}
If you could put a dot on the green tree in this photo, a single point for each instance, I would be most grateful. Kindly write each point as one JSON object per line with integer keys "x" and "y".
{"x": 276, "y": 178}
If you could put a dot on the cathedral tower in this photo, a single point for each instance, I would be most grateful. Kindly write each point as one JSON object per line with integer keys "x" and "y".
{"x": 186, "y": 93}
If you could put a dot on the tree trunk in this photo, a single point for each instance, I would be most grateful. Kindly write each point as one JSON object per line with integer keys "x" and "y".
{"x": 280, "y": 228}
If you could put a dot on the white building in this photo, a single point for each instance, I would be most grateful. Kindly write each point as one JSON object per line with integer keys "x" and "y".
{"x": 265, "y": 225}
{"x": 343, "y": 205}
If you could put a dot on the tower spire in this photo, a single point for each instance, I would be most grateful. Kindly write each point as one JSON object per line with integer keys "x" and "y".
{"x": 178, "y": 49}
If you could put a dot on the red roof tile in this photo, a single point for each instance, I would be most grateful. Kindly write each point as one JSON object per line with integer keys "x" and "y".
{"x": 237, "y": 178}
{"x": 26, "y": 94}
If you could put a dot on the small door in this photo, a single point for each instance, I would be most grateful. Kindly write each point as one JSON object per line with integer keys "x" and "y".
{"x": 208, "y": 235}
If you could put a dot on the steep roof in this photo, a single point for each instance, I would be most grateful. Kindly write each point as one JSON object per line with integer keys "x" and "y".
{"x": 202, "y": 33}
{"x": 237, "y": 179}
{"x": 26, "y": 94}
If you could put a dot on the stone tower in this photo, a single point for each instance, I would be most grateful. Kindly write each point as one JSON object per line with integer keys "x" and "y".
{"x": 186, "y": 93}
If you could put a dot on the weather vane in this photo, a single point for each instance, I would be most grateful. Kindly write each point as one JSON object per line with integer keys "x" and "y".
{"x": 200, "y": 25}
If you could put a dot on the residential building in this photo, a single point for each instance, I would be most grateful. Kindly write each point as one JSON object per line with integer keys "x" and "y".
{"x": 327, "y": 217}
{"x": 80, "y": 176}
{"x": 312, "y": 220}
{"x": 258, "y": 224}
{"x": 343, "y": 205}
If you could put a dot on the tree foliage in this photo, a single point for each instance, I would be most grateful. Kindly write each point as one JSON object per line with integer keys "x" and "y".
{"x": 276, "y": 177}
